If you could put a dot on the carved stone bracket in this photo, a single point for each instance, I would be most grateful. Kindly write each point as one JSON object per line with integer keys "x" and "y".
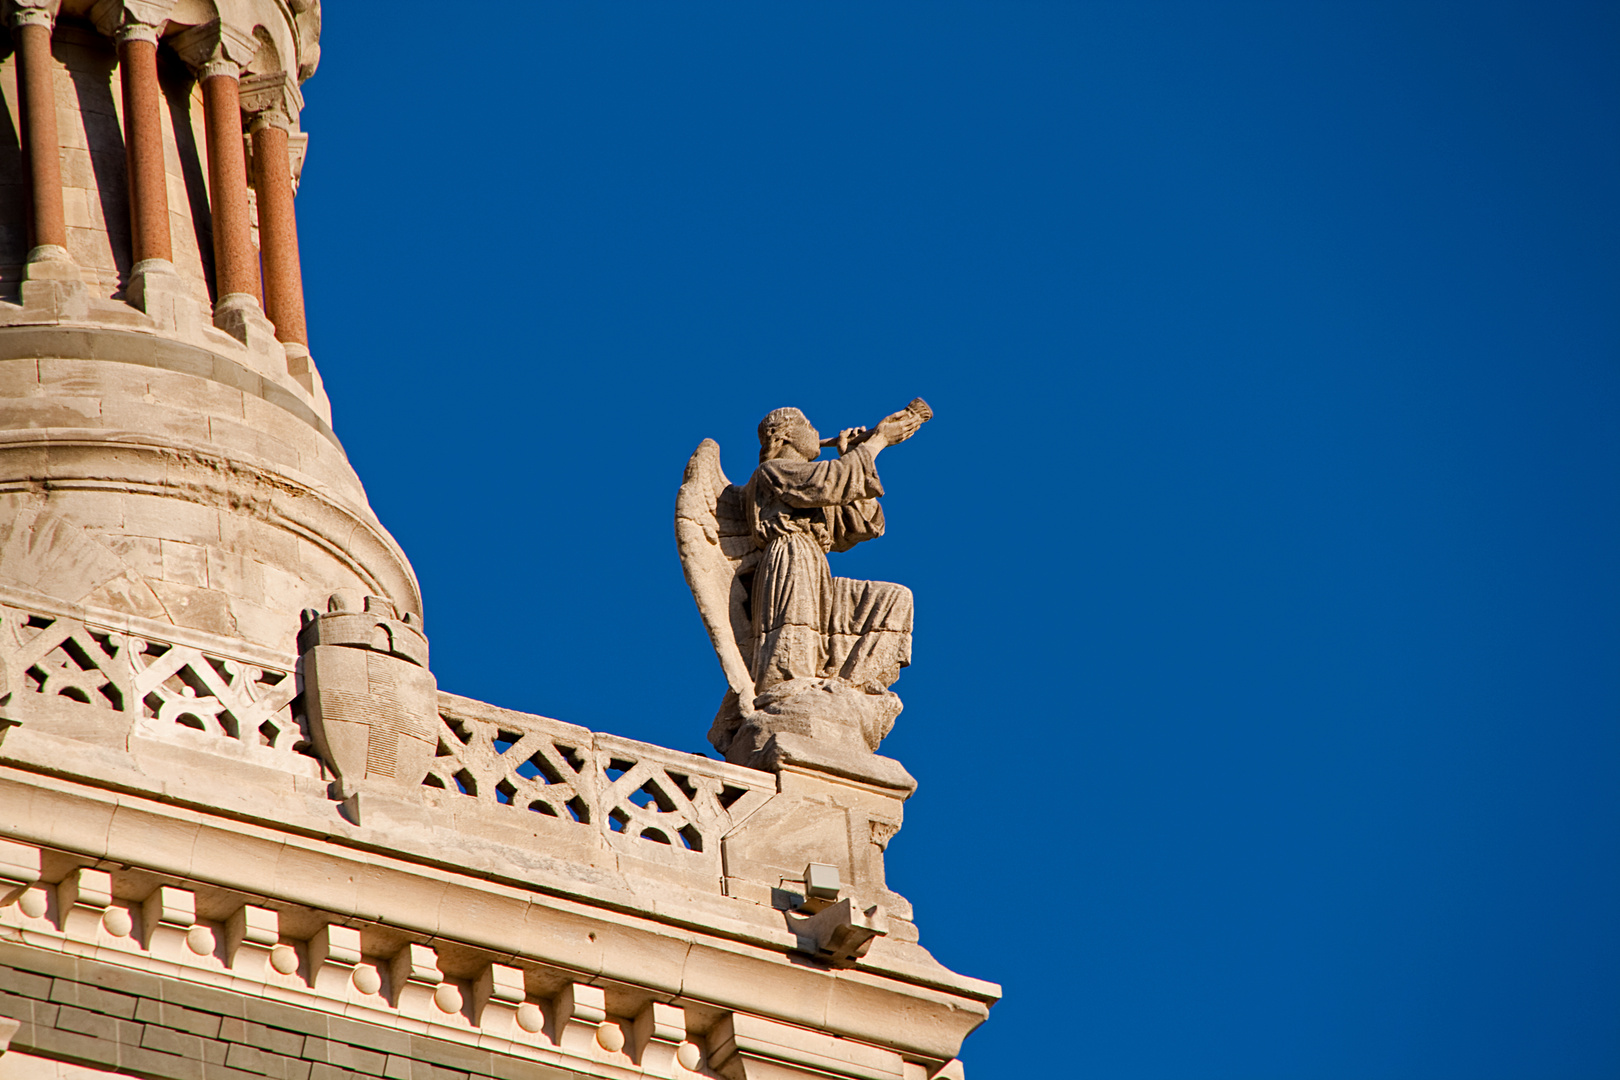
{"x": 140, "y": 17}
{"x": 840, "y": 933}
{"x": 215, "y": 42}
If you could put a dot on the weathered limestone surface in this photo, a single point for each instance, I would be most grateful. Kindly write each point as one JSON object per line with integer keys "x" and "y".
{"x": 161, "y": 455}
{"x": 200, "y": 496}
{"x": 242, "y": 830}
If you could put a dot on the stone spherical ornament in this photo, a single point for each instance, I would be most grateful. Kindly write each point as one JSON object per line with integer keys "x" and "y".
{"x": 530, "y": 1018}
{"x": 447, "y": 998}
{"x": 200, "y": 940}
{"x": 33, "y": 903}
{"x": 689, "y": 1056}
{"x": 116, "y": 921}
{"x": 284, "y": 958}
{"x": 366, "y": 980}
{"x": 610, "y": 1036}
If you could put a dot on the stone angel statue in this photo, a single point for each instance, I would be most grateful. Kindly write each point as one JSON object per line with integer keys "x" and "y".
{"x": 807, "y": 656}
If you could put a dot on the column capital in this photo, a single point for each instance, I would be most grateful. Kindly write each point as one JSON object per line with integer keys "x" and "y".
{"x": 136, "y": 32}
{"x": 215, "y": 48}
{"x": 229, "y": 68}
{"x": 131, "y": 20}
{"x": 272, "y": 99}
{"x": 32, "y": 12}
{"x": 271, "y": 118}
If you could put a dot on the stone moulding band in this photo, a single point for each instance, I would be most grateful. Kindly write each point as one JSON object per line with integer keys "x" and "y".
{"x": 147, "y": 350}
{"x": 312, "y": 514}
{"x": 453, "y": 913}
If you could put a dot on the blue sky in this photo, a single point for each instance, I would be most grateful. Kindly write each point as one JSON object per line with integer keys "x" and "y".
{"x": 1265, "y": 701}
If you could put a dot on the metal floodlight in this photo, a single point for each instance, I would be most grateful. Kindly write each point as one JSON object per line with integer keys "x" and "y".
{"x": 821, "y": 881}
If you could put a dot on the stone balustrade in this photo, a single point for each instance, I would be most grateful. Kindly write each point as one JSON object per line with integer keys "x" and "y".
{"x": 132, "y": 704}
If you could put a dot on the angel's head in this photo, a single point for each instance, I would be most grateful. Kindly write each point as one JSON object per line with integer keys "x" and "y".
{"x": 786, "y": 433}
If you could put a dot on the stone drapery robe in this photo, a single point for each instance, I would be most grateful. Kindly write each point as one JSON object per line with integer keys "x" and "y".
{"x": 805, "y": 623}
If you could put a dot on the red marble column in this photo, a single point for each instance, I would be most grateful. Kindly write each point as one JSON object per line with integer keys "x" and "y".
{"x": 32, "y": 33}
{"x": 143, "y": 145}
{"x": 235, "y": 268}
{"x": 278, "y": 229}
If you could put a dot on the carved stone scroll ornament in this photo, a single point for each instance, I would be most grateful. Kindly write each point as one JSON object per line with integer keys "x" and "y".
{"x": 369, "y": 698}
{"x": 809, "y": 658}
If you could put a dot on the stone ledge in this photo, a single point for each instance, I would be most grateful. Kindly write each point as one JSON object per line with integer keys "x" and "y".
{"x": 727, "y": 965}
{"x": 151, "y": 350}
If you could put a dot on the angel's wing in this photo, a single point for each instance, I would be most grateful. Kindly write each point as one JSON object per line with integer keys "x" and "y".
{"x": 715, "y": 540}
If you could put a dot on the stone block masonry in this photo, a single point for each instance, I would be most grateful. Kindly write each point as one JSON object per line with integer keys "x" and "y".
{"x": 124, "y": 1021}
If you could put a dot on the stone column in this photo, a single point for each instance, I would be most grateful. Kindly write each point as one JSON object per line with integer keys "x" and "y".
{"x": 48, "y": 257}
{"x": 278, "y": 228}
{"x": 153, "y": 283}
{"x": 235, "y": 275}
{"x": 143, "y": 144}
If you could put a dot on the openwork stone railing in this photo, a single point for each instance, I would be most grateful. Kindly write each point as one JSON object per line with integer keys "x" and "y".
{"x": 71, "y": 676}
{"x": 78, "y": 678}
{"x": 623, "y": 789}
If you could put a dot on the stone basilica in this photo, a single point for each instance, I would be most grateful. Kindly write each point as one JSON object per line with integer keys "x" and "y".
{"x": 242, "y": 832}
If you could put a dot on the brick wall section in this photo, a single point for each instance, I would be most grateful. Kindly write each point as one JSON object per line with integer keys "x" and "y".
{"x": 109, "y": 1017}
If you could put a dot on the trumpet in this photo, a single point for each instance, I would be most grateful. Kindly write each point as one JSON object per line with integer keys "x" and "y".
{"x": 918, "y": 407}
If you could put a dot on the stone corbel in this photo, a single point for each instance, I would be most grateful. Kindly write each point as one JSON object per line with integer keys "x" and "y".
{"x": 840, "y": 933}
{"x": 657, "y": 1038}
{"x": 169, "y": 916}
{"x": 334, "y": 952}
{"x": 8, "y": 1030}
{"x": 496, "y": 998}
{"x": 836, "y": 931}
{"x": 250, "y": 936}
{"x": 126, "y": 18}
{"x": 581, "y": 1011}
{"x": 419, "y": 986}
{"x": 215, "y": 48}
{"x": 83, "y": 898}
{"x": 21, "y": 866}
{"x": 415, "y": 977}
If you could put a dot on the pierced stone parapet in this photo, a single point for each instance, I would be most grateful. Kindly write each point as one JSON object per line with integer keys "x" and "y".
{"x": 492, "y": 790}
{"x": 101, "y": 683}
{"x": 632, "y": 794}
